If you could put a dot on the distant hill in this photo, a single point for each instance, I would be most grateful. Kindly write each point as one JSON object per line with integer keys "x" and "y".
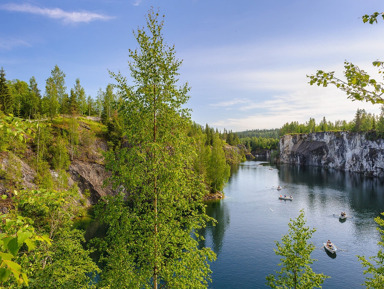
{"x": 265, "y": 133}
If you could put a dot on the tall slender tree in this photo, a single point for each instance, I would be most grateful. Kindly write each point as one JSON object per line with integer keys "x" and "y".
{"x": 107, "y": 102}
{"x": 154, "y": 227}
{"x": 296, "y": 257}
{"x": 6, "y": 101}
{"x": 34, "y": 98}
{"x": 55, "y": 92}
{"x": 80, "y": 97}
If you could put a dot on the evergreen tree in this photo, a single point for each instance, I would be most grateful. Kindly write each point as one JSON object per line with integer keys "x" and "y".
{"x": 108, "y": 102}
{"x": 6, "y": 101}
{"x": 99, "y": 102}
{"x": 296, "y": 257}
{"x": 90, "y": 106}
{"x": 80, "y": 98}
{"x": 151, "y": 230}
{"x": 34, "y": 99}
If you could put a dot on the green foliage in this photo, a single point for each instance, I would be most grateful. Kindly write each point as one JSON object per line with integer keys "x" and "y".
{"x": 296, "y": 258}
{"x": 260, "y": 143}
{"x": 14, "y": 133}
{"x": 358, "y": 84}
{"x": 375, "y": 265}
{"x": 218, "y": 170}
{"x": 17, "y": 238}
{"x": 108, "y": 100}
{"x": 363, "y": 121}
{"x": 372, "y": 18}
{"x": 65, "y": 264}
{"x": 54, "y": 92}
{"x": 59, "y": 152}
{"x": 264, "y": 133}
{"x": 153, "y": 226}
{"x": 6, "y": 100}
{"x": 19, "y": 92}
{"x": 33, "y": 102}
{"x": 339, "y": 125}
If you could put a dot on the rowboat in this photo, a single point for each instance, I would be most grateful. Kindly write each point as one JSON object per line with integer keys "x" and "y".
{"x": 330, "y": 248}
{"x": 286, "y": 198}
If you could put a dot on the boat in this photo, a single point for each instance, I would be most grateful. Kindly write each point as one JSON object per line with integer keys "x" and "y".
{"x": 286, "y": 198}
{"x": 279, "y": 188}
{"x": 330, "y": 248}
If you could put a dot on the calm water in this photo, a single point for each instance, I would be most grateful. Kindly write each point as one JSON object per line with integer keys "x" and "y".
{"x": 251, "y": 218}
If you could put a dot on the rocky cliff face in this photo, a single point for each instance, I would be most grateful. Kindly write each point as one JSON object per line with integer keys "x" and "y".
{"x": 339, "y": 150}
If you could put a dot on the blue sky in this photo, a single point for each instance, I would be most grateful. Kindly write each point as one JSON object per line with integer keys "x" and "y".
{"x": 246, "y": 60}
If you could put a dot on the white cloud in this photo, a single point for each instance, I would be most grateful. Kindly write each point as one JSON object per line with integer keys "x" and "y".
{"x": 8, "y": 44}
{"x": 137, "y": 2}
{"x": 264, "y": 85}
{"x": 56, "y": 13}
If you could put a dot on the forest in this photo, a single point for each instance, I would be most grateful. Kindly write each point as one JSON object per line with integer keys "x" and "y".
{"x": 161, "y": 167}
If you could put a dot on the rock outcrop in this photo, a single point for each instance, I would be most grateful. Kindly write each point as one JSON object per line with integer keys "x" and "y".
{"x": 346, "y": 151}
{"x": 90, "y": 178}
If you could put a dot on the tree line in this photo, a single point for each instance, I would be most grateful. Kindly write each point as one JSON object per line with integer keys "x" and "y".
{"x": 161, "y": 163}
{"x": 362, "y": 122}
{"x": 25, "y": 100}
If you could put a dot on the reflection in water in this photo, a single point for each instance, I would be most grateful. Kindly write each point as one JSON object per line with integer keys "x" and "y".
{"x": 350, "y": 192}
{"x": 363, "y": 192}
{"x": 219, "y": 211}
{"x": 331, "y": 255}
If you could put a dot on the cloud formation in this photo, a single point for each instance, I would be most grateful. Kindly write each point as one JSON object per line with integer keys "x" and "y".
{"x": 56, "y": 13}
{"x": 8, "y": 44}
{"x": 137, "y": 2}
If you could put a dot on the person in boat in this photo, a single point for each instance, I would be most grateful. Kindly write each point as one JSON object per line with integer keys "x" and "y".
{"x": 342, "y": 214}
{"x": 290, "y": 196}
{"x": 329, "y": 244}
{"x": 285, "y": 196}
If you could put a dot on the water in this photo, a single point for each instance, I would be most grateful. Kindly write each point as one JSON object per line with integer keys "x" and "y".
{"x": 251, "y": 218}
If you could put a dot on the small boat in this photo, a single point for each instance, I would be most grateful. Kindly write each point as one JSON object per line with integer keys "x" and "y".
{"x": 343, "y": 216}
{"x": 279, "y": 188}
{"x": 330, "y": 248}
{"x": 286, "y": 198}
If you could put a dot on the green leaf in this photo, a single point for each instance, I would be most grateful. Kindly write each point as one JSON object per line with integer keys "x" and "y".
{"x": 22, "y": 236}
{"x": 15, "y": 269}
{"x": 12, "y": 246}
{"x": 4, "y": 274}
{"x": 31, "y": 244}
{"x": 6, "y": 256}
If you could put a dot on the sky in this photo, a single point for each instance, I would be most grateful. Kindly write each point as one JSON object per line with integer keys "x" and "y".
{"x": 246, "y": 61}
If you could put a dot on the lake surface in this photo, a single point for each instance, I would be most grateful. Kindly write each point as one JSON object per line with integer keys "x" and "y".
{"x": 251, "y": 218}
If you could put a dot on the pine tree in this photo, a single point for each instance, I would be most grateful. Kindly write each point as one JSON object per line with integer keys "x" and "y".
{"x": 151, "y": 231}
{"x": 34, "y": 98}
{"x": 6, "y": 101}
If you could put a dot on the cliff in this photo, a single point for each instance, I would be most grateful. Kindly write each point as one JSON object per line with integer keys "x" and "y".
{"x": 346, "y": 151}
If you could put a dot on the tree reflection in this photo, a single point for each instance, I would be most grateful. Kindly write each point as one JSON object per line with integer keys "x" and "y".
{"x": 214, "y": 234}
